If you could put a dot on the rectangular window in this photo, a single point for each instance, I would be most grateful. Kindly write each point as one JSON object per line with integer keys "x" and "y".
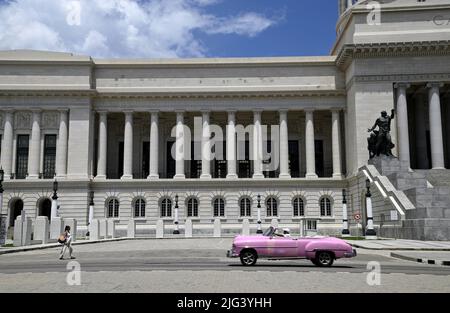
{"x": 196, "y": 160}
{"x": 23, "y": 142}
{"x": 320, "y": 165}
{"x": 294, "y": 157}
{"x": 121, "y": 155}
{"x": 49, "y": 156}
{"x": 170, "y": 172}
{"x": 312, "y": 225}
{"x": 245, "y": 165}
{"x": 145, "y": 159}
{"x": 220, "y": 163}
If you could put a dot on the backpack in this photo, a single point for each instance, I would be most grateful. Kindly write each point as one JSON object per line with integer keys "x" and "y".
{"x": 62, "y": 239}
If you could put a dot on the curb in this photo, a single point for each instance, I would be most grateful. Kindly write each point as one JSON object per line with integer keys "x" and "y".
{"x": 418, "y": 260}
{"x": 399, "y": 249}
{"x": 87, "y": 242}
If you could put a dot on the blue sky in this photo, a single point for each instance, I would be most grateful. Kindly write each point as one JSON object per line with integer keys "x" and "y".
{"x": 170, "y": 28}
{"x": 307, "y": 28}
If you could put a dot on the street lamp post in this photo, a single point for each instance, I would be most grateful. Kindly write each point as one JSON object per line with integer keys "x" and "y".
{"x": 3, "y": 229}
{"x": 345, "y": 230}
{"x": 91, "y": 208}
{"x": 259, "y": 231}
{"x": 54, "y": 211}
{"x": 177, "y": 230}
{"x": 370, "y": 231}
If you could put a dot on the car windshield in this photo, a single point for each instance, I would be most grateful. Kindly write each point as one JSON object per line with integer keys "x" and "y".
{"x": 269, "y": 232}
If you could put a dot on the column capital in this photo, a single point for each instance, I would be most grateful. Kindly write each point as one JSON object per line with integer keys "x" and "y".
{"x": 435, "y": 85}
{"x": 36, "y": 111}
{"x": 402, "y": 85}
{"x": 257, "y": 111}
{"x": 153, "y": 111}
{"x": 63, "y": 110}
{"x": 309, "y": 110}
{"x": 128, "y": 111}
{"x": 178, "y": 111}
{"x": 336, "y": 110}
{"x": 8, "y": 110}
{"x": 102, "y": 112}
{"x": 231, "y": 111}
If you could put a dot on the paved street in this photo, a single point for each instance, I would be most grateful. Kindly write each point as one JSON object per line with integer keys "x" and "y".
{"x": 199, "y": 265}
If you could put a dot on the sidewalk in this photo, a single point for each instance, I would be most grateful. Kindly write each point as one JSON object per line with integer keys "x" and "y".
{"x": 427, "y": 257}
{"x": 401, "y": 244}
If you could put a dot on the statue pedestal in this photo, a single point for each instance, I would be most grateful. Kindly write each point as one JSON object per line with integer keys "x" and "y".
{"x": 388, "y": 165}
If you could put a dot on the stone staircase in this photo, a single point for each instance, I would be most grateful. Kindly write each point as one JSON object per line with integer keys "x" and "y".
{"x": 429, "y": 191}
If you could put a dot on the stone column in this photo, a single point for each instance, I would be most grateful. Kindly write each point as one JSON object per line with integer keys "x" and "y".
{"x": 437, "y": 144}
{"x": 402, "y": 124}
{"x": 310, "y": 145}
{"x": 421, "y": 134}
{"x": 154, "y": 146}
{"x": 231, "y": 146}
{"x": 257, "y": 146}
{"x": 7, "y": 144}
{"x": 206, "y": 147}
{"x": 61, "y": 148}
{"x": 34, "y": 155}
{"x": 284, "y": 146}
{"x": 102, "y": 145}
{"x": 179, "y": 147}
{"x": 336, "y": 143}
{"x": 128, "y": 146}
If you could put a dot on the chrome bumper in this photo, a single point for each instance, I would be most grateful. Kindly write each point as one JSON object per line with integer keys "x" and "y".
{"x": 350, "y": 254}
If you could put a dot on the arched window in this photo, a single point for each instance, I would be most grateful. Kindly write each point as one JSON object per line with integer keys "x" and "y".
{"x": 272, "y": 206}
{"x": 298, "y": 207}
{"x": 219, "y": 207}
{"x": 113, "y": 208}
{"x": 139, "y": 208}
{"x": 166, "y": 207}
{"x": 192, "y": 207}
{"x": 246, "y": 207}
{"x": 325, "y": 207}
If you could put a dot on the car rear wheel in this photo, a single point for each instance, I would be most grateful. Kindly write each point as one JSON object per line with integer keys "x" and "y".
{"x": 248, "y": 258}
{"x": 324, "y": 259}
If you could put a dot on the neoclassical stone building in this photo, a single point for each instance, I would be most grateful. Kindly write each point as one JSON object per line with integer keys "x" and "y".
{"x": 109, "y": 127}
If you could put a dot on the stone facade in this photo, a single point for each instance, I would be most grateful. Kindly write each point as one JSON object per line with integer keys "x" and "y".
{"x": 115, "y": 121}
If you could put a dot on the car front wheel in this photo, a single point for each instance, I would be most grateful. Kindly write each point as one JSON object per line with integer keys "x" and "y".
{"x": 324, "y": 259}
{"x": 248, "y": 258}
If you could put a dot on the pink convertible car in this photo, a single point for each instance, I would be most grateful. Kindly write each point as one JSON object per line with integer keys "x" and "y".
{"x": 274, "y": 245}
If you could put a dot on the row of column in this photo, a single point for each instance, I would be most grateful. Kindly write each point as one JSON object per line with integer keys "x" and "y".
{"x": 230, "y": 146}
{"x": 436, "y": 137}
{"x": 34, "y": 154}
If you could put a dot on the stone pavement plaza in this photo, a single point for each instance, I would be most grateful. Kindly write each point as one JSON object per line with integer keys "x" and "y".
{"x": 199, "y": 265}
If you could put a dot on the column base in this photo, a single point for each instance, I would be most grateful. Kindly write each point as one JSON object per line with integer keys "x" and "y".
{"x": 100, "y": 177}
{"x": 205, "y": 176}
{"x": 179, "y": 176}
{"x": 371, "y": 233}
{"x": 312, "y": 176}
{"x": 438, "y": 168}
{"x": 32, "y": 177}
{"x": 153, "y": 177}
{"x": 284, "y": 176}
{"x": 258, "y": 176}
{"x": 127, "y": 177}
{"x": 338, "y": 176}
{"x": 232, "y": 176}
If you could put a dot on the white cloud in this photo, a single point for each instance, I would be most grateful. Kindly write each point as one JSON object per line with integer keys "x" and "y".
{"x": 120, "y": 28}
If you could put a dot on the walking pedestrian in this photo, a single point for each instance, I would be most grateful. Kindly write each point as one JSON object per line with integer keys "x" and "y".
{"x": 66, "y": 240}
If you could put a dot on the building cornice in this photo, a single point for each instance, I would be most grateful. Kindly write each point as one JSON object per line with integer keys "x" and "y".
{"x": 395, "y": 49}
{"x": 47, "y": 93}
{"x": 222, "y": 95}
